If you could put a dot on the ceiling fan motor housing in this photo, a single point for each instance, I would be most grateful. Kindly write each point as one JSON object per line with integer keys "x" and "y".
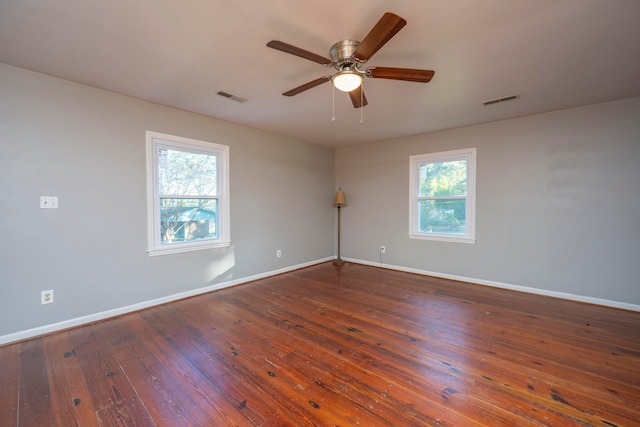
{"x": 342, "y": 54}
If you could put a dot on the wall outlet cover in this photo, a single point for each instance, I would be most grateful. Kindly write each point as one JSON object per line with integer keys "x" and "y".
{"x": 46, "y": 297}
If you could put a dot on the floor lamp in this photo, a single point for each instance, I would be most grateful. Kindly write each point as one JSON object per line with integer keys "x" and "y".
{"x": 339, "y": 200}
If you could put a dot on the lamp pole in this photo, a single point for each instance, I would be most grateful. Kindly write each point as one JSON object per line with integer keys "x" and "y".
{"x": 338, "y": 261}
{"x": 339, "y": 201}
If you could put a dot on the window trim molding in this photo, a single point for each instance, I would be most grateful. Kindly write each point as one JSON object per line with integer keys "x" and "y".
{"x": 155, "y": 139}
{"x": 414, "y": 183}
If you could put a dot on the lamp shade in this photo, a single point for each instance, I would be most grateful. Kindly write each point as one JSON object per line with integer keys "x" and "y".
{"x": 340, "y": 199}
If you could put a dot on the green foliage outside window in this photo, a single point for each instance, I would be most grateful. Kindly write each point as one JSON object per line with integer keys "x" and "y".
{"x": 187, "y": 183}
{"x": 442, "y": 192}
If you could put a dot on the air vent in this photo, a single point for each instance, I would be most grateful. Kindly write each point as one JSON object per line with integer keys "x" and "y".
{"x": 505, "y": 98}
{"x": 230, "y": 96}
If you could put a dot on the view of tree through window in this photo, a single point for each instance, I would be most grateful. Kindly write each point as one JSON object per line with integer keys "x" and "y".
{"x": 442, "y": 205}
{"x": 442, "y": 197}
{"x": 187, "y": 186}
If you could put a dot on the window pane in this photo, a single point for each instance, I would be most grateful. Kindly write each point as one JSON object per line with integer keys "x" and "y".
{"x": 183, "y": 173}
{"x": 186, "y": 220}
{"x": 442, "y": 216}
{"x": 443, "y": 179}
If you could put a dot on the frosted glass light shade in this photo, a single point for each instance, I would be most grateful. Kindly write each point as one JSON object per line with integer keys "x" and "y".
{"x": 347, "y": 81}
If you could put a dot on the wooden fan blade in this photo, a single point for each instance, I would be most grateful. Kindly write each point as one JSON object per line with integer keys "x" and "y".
{"x": 355, "y": 97}
{"x": 407, "y": 74}
{"x": 287, "y": 48}
{"x": 307, "y": 86}
{"x": 380, "y": 34}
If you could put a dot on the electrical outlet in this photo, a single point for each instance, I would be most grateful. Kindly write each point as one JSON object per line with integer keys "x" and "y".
{"x": 383, "y": 249}
{"x": 278, "y": 253}
{"x": 46, "y": 297}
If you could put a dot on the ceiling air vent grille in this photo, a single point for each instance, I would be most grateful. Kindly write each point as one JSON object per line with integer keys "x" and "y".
{"x": 230, "y": 96}
{"x": 504, "y": 98}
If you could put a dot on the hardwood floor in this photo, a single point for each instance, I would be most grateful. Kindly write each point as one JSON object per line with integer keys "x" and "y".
{"x": 359, "y": 346}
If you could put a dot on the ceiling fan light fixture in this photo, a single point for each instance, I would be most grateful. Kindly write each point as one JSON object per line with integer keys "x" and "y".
{"x": 347, "y": 80}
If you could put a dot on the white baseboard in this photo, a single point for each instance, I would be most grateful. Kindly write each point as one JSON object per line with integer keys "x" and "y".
{"x": 563, "y": 295}
{"x": 79, "y": 321}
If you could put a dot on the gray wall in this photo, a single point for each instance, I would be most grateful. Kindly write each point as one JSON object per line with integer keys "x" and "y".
{"x": 558, "y": 202}
{"x": 557, "y": 208}
{"x": 87, "y": 147}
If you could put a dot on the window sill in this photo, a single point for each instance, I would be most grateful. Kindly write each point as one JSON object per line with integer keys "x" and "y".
{"x": 443, "y": 238}
{"x": 187, "y": 248}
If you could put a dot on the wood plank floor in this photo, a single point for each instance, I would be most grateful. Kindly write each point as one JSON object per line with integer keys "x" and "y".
{"x": 319, "y": 346}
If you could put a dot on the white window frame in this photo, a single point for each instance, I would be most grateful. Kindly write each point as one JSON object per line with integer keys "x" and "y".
{"x": 154, "y": 142}
{"x": 468, "y": 154}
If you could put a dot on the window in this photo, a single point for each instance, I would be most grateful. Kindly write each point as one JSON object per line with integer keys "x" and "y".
{"x": 442, "y": 189}
{"x": 188, "y": 194}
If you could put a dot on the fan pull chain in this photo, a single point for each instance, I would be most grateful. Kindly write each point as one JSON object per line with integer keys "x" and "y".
{"x": 333, "y": 103}
{"x": 361, "y": 101}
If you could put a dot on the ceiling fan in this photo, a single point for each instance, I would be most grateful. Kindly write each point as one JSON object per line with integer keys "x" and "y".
{"x": 348, "y": 57}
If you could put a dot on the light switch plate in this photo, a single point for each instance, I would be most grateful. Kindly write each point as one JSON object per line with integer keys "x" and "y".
{"x": 48, "y": 202}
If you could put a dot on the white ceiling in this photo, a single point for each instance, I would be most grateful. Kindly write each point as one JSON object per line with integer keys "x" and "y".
{"x": 554, "y": 53}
